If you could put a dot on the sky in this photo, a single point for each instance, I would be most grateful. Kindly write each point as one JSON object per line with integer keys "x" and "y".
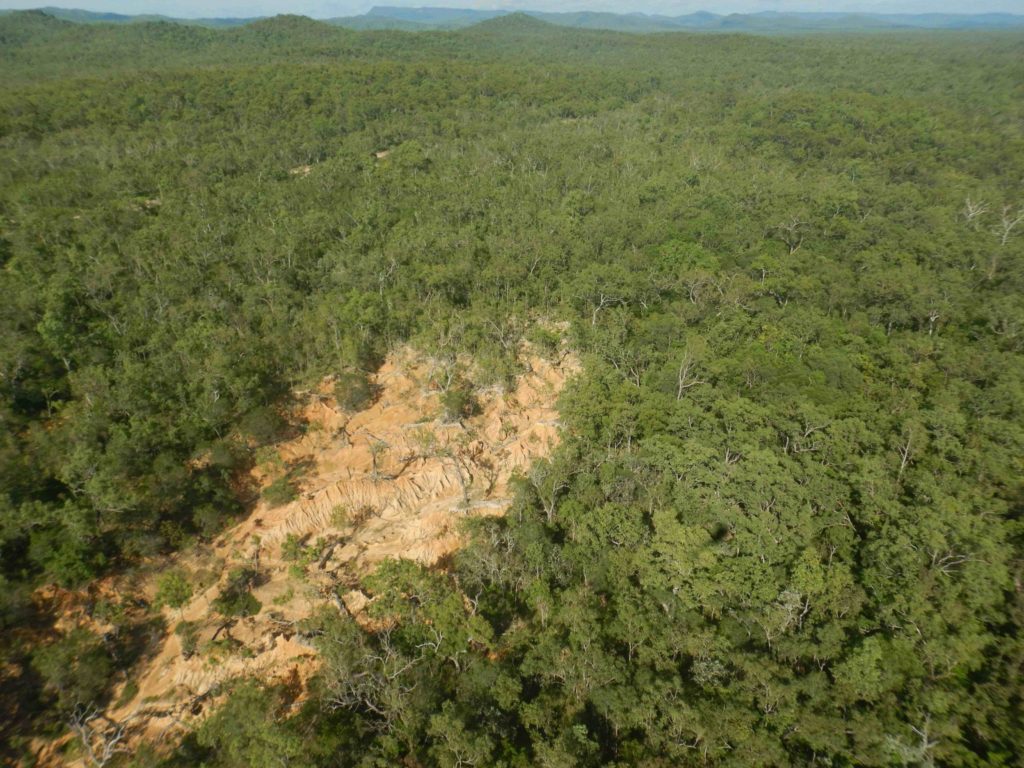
{"x": 329, "y": 8}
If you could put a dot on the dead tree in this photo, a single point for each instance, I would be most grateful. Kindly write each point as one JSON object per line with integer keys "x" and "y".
{"x": 1008, "y": 221}
{"x": 905, "y": 455}
{"x": 973, "y": 210}
{"x": 101, "y": 743}
{"x": 686, "y": 378}
{"x": 791, "y": 233}
{"x": 605, "y": 300}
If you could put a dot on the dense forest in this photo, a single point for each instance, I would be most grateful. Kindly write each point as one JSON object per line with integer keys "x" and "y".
{"x": 784, "y": 523}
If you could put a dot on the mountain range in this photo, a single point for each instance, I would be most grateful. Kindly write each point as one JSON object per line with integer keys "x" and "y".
{"x": 427, "y": 18}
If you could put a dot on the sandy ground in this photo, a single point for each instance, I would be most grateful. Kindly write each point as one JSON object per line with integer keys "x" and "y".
{"x": 391, "y": 481}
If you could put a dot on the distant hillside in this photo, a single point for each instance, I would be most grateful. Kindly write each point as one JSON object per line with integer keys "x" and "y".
{"x": 434, "y": 17}
{"x": 514, "y": 23}
{"x": 367, "y": 22}
{"x": 94, "y": 17}
{"x": 389, "y": 17}
{"x": 766, "y": 22}
{"x": 28, "y": 40}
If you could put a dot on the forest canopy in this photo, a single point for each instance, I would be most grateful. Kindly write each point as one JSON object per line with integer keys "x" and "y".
{"x": 784, "y": 523}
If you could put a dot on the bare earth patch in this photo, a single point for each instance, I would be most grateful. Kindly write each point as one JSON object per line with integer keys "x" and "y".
{"x": 391, "y": 481}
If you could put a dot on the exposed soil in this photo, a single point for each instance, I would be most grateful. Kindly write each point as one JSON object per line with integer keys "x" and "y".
{"x": 391, "y": 481}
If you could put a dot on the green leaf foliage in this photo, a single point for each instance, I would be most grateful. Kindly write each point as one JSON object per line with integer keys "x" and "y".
{"x": 783, "y": 524}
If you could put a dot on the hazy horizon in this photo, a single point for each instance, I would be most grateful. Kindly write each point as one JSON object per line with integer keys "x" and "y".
{"x": 333, "y": 8}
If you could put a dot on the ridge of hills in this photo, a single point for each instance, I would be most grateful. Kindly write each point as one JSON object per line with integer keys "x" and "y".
{"x": 116, "y": 43}
{"x": 433, "y": 18}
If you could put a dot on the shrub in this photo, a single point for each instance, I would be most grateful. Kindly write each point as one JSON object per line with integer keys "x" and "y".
{"x": 66, "y": 557}
{"x": 129, "y": 692}
{"x": 236, "y": 599}
{"x": 339, "y": 516}
{"x": 279, "y": 492}
{"x": 545, "y": 340}
{"x": 458, "y": 402}
{"x": 261, "y": 425}
{"x": 173, "y": 589}
{"x": 15, "y": 602}
{"x": 293, "y": 549}
{"x": 353, "y": 391}
{"x": 285, "y": 597}
{"x": 209, "y": 520}
{"x": 109, "y": 612}
{"x": 76, "y": 668}
{"x": 188, "y": 634}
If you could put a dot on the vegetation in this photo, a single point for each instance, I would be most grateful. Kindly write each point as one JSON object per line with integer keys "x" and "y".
{"x": 353, "y": 390}
{"x": 75, "y": 669}
{"x": 784, "y": 524}
{"x": 236, "y": 598}
{"x": 281, "y": 491}
{"x": 173, "y": 589}
{"x": 188, "y": 635}
{"x": 458, "y": 402}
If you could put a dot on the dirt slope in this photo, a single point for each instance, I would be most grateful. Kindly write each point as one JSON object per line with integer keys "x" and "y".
{"x": 391, "y": 481}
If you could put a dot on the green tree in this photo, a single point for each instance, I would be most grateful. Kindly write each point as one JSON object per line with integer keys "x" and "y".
{"x": 173, "y": 589}
{"x": 76, "y": 667}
